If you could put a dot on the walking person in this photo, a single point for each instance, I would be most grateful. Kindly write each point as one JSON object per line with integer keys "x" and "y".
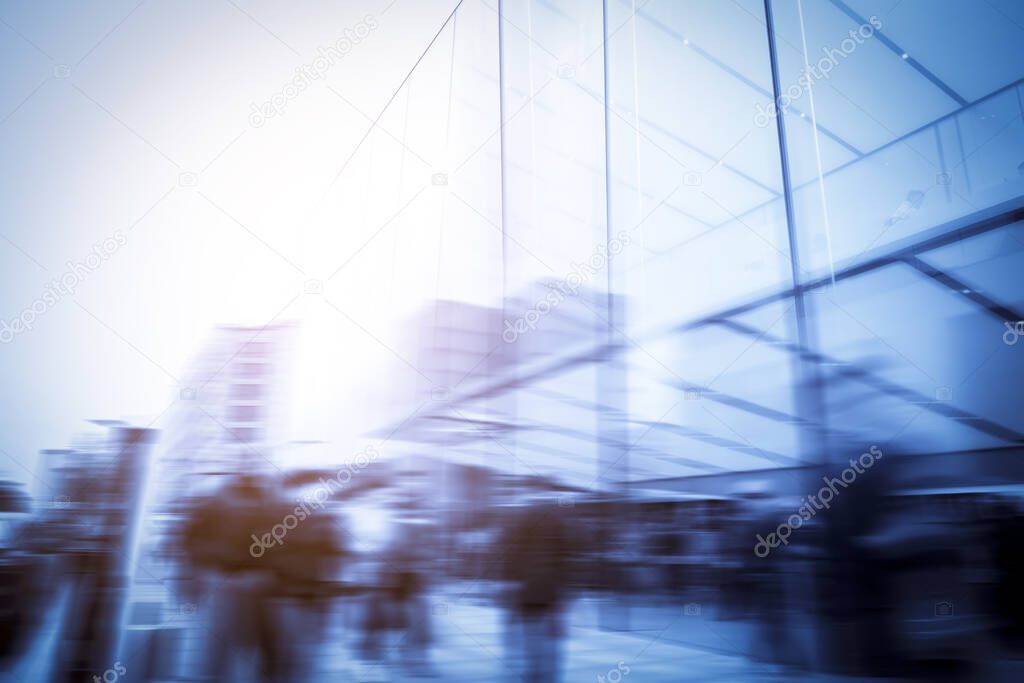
{"x": 537, "y": 565}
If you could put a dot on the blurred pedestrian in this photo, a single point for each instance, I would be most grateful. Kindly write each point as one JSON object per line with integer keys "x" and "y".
{"x": 239, "y": 587}
{"x": 536, "y": 561}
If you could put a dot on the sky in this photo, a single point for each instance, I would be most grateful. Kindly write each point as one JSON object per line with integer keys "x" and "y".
{"x": 139, "y": 167}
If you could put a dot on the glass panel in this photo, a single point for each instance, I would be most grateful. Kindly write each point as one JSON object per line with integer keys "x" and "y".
{"x": 992, "y": 263}
{"x": 915, "y": 352}
{"x": 873, "y": 111}
{"x": 694, "y": 181}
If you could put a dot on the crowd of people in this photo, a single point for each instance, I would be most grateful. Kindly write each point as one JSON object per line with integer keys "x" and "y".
{"x": 258, "y": 605}
{"x": 886, "y": 583}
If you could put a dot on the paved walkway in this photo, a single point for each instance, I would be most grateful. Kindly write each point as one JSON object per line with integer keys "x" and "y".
{"x": 665, "y": 643}
{"x": 469, "y": 637}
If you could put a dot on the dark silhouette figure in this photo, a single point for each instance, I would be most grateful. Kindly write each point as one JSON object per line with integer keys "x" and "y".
{"x": 1008, "y": 558}
{"x": 240, "y": 588}
{"x": 396, "y": 614}
{"x": 536, "y": 561}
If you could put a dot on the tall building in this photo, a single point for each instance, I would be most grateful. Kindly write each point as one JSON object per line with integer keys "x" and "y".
{"x": 469, "y": 403}
{"x": 230, "y": 415}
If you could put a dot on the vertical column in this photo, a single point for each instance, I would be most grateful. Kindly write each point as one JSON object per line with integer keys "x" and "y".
{"x": 612, "y": 397}
{"x": 807, "y": 382}
{"x": 509, "y": 352}
{"x": 806, "y": 373}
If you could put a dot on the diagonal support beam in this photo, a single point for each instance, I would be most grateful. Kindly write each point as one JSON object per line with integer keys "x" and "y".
{"x": 851, "y": 371}
{"x": 1003, "y": 313}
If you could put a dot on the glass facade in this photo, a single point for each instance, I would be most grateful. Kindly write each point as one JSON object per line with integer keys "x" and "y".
{"x": 787, "y": 228}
